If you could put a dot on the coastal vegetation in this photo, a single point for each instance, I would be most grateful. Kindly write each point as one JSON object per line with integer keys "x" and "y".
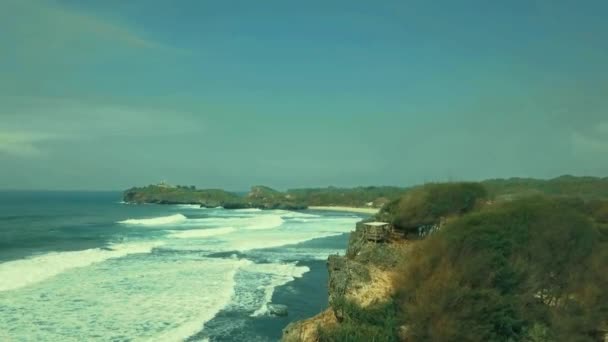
{"x": 374, "y": 323}
{"x": 566, "y": 185}
{"x": 508, "y": 272}
{"x": 405, "y": 207}
{"x": 499, "y": 265}
{"x": 161, "y": 194}
{"x": 374, "y": 196}
{"x": 264, "y": 197}
{"x": 428, "y": 205}
{"x": 259, "y": 197}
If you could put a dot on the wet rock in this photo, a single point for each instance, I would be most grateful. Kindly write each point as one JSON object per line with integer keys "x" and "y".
{"x": 277, "y": 309}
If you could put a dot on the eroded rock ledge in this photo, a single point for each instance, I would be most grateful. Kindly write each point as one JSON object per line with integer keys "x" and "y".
{"x": 363, "y": 276}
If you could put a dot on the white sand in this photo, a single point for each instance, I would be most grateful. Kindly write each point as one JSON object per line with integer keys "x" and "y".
{"x": 348, "y": 209}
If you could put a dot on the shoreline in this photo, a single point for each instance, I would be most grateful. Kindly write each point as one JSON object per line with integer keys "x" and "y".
{"x": 370, "y": 211}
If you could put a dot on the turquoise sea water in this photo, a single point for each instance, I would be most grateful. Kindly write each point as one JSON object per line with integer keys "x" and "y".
{"x": 78, "y": 266}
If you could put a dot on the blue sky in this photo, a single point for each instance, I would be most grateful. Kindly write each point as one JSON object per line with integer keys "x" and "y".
{"x": 109, "y": 94}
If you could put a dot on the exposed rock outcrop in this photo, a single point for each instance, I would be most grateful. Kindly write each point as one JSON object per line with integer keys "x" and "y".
{"x": 277, "y": 309}
{"x": 306, "y": 330}
{"x": 363, "y": 276}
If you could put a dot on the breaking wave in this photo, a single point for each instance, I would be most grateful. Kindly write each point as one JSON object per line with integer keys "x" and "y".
{"x": 156, "y": 221}
{"x": 20, "y": 273}
{"x": 200, "y": 233}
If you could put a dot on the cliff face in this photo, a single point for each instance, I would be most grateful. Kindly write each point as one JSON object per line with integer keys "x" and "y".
{"x": 363, "y": 277}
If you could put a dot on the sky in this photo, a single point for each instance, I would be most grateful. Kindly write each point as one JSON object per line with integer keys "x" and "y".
{"x": 105, "y": 95}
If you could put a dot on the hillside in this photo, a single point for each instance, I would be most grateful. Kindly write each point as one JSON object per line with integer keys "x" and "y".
{"x": 461, "y": 266}
{"x": 584, "y": 187}
{"x": 264, "y": 197}
{"x": 374, "y": 196}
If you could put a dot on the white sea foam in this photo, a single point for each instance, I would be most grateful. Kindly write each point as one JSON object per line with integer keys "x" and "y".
{"x": 223, "y": 291}
{"x": 249, "y": 210}
{"x": 261, "y": 243}
{"x": 200, "y": 233}
{"x": 246, "y": 241}
{"x": 280, "y": 274}
{"x": 249, "y": 235}
{"x": 188, "y": 206}
{"x": 299, "y": 219}
{"x": 160, "y": 298}
{"x": 295, "y": 253}
{"x": 20, "y": 273}
{"x": 163, "y": 296}
{"x": 156, "y": 221}
{"x": 294, "y": 214}
{"x": 265, "y": 222}
{"x": 254, "y": 222}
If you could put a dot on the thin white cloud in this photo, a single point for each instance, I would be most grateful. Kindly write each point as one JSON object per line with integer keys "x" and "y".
{"x": 50, "y": 25}
{"x": 48, "y": 40}
{"x": 29, "y": 123}
{"x": 22, "y": 144}
{"x": 594, "y": 141}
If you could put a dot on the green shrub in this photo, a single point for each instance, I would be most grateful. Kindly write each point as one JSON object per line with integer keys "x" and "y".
{"x": 428, "y": 204}
{"x": 584, "y": 187}
{"x": 600, "y": 212}
{"x": 353, "y": 332}
{"x": 494, "y": 274}
{"x": 374, "y": 323}
{"x": 538, "y": 333}
{"x": 357, "y": 197}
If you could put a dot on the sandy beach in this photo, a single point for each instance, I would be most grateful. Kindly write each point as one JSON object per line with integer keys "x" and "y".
{"x": 370, "y": 211}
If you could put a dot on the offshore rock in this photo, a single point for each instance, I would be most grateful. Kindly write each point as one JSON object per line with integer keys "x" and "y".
{"x": 277, "y": 309}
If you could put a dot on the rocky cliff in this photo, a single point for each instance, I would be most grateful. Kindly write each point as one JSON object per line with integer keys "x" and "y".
{"x": 362, "y": 277}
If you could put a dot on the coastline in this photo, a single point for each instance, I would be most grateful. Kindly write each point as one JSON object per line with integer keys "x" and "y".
{"x": 370, "y": 211}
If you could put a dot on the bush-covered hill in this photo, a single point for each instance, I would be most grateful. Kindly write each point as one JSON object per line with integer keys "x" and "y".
{"x": 534, "y": 269}
{"x": 264, "y": 197}
{"x": 428, "y": 205}
{"x": 375, "y": 196}
{"x": 583, "y": 187}
{"x": 258, "y": 197}
{"x": 443, "y": 202}
{"x": 530, "y": 268}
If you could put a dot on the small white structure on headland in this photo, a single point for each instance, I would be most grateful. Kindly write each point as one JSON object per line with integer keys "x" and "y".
{"x": 164, "y": 184}
{"x": 376, "y": 231}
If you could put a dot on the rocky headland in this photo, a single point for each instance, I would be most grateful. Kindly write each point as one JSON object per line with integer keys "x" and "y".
{"x": 260, "y": 197}
{"x": 521, "y": 261}
{"x": 263, "y": 197}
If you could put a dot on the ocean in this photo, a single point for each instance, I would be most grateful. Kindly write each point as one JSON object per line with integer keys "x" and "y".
{"x": 83, "y": 266}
